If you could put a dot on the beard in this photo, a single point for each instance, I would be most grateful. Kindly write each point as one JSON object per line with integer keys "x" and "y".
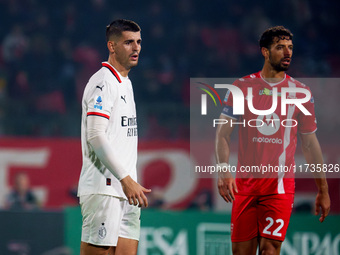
{"x": 125, "y": 61}
{"x": 278, "y": 66}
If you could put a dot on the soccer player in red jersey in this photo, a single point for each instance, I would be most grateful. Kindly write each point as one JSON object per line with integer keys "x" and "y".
{"x": 262, "y": 202}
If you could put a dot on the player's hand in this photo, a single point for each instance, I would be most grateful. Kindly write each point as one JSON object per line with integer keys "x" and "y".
{"x": 322, "y": 201}
{"x": 134, "y": 192}
{"x": 227, "y": 186}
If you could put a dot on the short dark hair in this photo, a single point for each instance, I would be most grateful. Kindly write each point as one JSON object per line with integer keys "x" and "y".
{"x": 116, "y": 27}
{"x": 267, "y": 38}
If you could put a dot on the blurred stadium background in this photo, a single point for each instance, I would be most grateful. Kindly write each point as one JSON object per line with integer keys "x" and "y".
{"x": 48, "y": 51}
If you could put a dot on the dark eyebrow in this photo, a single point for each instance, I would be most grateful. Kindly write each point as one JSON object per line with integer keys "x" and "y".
{"x": 290, "y": 45}
{"x": 131, "y": 40}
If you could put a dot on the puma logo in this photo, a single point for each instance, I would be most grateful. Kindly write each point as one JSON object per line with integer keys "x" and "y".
{"x": 123, "y": 98}
{"x": 101, "y": 88}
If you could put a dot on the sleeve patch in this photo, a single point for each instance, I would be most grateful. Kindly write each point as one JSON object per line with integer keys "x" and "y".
{"x": 98, "y": 103}
{"x": 226, "y": 97}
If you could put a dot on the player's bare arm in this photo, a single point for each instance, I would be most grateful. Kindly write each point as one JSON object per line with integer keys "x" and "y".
{"x": 134, "y": 192}
{"x": 226, "y": 182}
{"x": 312, "y": 151}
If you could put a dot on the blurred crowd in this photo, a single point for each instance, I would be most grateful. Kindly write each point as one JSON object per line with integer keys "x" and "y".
{"x": 49, "y": 49}
{"x": 21, "y": 197}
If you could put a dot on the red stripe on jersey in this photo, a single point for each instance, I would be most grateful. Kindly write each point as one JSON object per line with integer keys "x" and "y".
{"x": 98, "y": 114}
{"x": 113, "y": 71}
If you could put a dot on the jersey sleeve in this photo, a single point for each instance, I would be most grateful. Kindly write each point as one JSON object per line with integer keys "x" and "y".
{"x": 228, "y": 105}
{"x": 307, "y": 123}
{"x": 100, "y": 100}
{"x": 101, "y": 146}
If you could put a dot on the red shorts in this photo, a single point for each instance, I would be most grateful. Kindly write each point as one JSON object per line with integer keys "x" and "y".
{"x": 266, "y": 216}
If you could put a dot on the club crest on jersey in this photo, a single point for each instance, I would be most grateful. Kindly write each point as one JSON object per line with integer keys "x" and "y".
{"x": 99, "y": 103}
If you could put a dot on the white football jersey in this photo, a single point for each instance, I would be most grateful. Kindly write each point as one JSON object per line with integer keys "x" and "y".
{"x": 109, "y": 95}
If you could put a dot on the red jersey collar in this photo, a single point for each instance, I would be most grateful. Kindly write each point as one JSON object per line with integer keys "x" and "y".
{"x": 113, "y": 71}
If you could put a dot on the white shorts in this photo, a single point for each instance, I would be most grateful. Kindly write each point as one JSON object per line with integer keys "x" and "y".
{"x": 105, "y": 218}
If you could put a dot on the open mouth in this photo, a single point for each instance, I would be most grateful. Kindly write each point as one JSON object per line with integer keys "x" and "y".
{"x": 134, "y": 57}
{"x": 286, "y": 61}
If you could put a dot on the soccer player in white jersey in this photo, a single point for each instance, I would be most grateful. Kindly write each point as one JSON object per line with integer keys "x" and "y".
{"x": 262, "y": 206}
{"x": 110, "y": 197}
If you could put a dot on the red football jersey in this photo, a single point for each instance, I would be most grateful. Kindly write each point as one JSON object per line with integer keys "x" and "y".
{"x": 267, "y": 143}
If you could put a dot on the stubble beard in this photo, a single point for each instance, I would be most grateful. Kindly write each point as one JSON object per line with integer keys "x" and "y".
{"x": 277, "y": 66}
{"x": 127, "y": 63}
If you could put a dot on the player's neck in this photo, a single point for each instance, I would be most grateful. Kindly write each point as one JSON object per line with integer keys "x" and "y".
{"x": 271, "y": 75}
{"x": 121, "y": 69}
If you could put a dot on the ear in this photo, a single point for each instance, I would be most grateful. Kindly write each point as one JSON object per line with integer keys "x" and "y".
{"x": 265, "y": 52}
{"x": 111, "y": 46}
